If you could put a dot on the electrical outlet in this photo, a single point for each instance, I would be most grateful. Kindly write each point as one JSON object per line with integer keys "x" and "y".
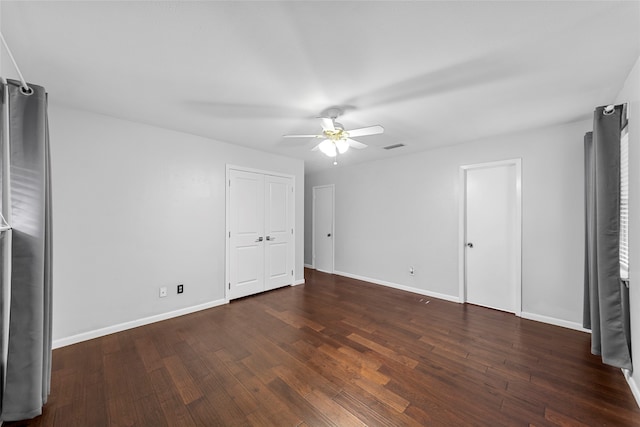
{"x": 180, "y": 288}
{"x": 163, "y": 292}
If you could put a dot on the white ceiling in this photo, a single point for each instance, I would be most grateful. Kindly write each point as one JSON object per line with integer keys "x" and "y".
{"x": 432, "y": 73}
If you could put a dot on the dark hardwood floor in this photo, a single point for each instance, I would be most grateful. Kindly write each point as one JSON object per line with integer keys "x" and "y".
{"x": 338, "y": 351}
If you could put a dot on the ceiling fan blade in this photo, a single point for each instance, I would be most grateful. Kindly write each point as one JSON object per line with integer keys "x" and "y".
{"x": 301, "y": 136}
{"x": 327, "y": 124}
{"x": 370, "y": 130}
{"x": 317, "y": 147}
{"x": 355, "y": 144}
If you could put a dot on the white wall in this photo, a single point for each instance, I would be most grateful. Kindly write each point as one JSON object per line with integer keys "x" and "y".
{"x": 631, "y": 93}
{"x": 404, "y": 211}
{"x": 137, "y": 207}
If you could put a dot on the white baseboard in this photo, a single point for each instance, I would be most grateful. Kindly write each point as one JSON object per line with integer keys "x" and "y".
{"x": 633, "y": 385}
{"x": 308, "y": 266}
{"x": 298, "y": 282}
{"x": 452, "y": 298}
{"x": 554, "y": 321}
{"x": 62, "y": 342}
{"x": 397, "y": 286}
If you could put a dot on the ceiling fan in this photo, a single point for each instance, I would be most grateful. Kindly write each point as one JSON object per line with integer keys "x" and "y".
{"x": 337, "y": 139}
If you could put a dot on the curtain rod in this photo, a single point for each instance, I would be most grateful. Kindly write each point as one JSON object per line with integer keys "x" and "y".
{"x": 609, "y": 109}
{"x": 25, "y": 88}
{"x": 5, "y": 159}
{"x": 4, "y": 225}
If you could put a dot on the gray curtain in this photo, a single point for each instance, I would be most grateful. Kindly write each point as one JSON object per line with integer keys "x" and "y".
{"x": 28, "y": 356}
{"x": 606, "y": 297}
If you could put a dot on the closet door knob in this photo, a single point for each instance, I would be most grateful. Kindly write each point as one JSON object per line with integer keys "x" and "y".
{"x": 259, "y": 239}
{"x": 271, "y": 238}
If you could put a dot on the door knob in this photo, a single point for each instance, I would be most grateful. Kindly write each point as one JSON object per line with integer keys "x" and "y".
{"x": 329, "y": 235}
{"x": 470, "y": 245}
{"x": 259, "y": 239}
{"x": 271, "y": 238}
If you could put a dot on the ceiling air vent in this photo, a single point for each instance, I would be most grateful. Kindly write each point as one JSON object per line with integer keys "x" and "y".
{"x": 391, "y": 147}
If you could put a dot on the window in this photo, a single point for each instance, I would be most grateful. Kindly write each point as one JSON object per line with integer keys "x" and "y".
{"x": 624, "y": 203}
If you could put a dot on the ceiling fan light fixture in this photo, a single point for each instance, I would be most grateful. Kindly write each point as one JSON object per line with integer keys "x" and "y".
{"x": 336, "y": 139}
{"x": 328, "y": 147}
{"x": 342, "y": 146}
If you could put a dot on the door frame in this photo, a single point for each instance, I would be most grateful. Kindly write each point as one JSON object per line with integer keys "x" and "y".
{"x": 333, "y": 226}
{"x": 227, "y": 231}
{"x": 462, "y": 232}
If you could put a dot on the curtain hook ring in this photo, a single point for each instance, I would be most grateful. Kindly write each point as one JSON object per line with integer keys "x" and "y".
{"x": 608, "y": 110}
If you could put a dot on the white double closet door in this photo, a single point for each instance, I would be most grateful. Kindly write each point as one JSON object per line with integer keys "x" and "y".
{"x": 260, "y": 232}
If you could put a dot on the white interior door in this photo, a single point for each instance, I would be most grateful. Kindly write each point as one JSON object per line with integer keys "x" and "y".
{"x": 260, "y": 222}
{"x": 246, "y": 233}
{"x": 278, "y": 232}
{"x": 492, "y": 236}
{"x": 323, "y": 228}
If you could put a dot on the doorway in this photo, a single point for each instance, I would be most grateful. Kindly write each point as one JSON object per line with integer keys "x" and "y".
{"x": 323, "y": 228}
{"x": 490, "y": 255}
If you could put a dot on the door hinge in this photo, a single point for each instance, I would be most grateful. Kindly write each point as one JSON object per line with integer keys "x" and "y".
{"x": 229, "y": 183}
{"x": 292, "y": 272}
{"x": 229, "y": 285}
{"x": 292, "y": 231}
{"x": 229, "y": 234}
